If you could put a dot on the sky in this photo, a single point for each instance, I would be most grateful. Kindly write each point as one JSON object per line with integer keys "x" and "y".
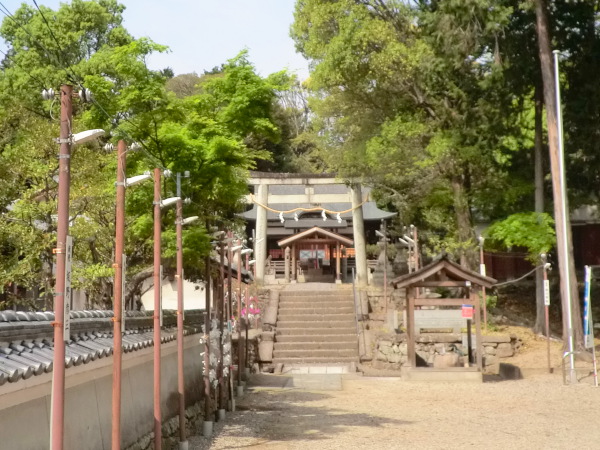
{"x": 202, "y": 34}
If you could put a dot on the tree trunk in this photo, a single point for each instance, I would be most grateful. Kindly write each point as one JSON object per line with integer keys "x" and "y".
{"x": 463, "y": 220}
{"x": 564, "y": 260}
{"x": 539, "y": 202}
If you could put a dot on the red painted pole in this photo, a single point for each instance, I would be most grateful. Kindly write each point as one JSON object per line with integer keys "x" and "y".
{"x": 64, "y": 181}
{"x": 180, "y": 309}
{"x": 222, "y": 385}
{"x": 118, "y": 296}
{"x": 239, "y": 313}
{"x": 157, "y": 306}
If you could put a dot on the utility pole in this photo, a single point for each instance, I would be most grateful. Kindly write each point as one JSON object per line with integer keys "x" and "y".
{"x": 157, "y": 312}
{"x": 483, "y": 272}
{"x": 240, "y": 388}
{"x": 562, "y": 222}
{"x": 118, "y": 296}
{"x": 229, "y": 313}
{"x": 57, "y": 415}
{"x": 180, "y": 309}
{"x": 221, "y": 312}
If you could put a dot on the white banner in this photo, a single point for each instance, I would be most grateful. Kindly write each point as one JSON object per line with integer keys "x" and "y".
{"x": 547, "y": 292}
{"x": 68, "y": 293}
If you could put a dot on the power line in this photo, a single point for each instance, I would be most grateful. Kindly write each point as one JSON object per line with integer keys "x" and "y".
{"x": 68, "y": 69}
{"x": 31, "y": 76}
{"x": 34, "y": 41}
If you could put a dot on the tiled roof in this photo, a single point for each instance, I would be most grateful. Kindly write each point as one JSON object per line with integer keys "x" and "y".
{"x": 27, "y": 347}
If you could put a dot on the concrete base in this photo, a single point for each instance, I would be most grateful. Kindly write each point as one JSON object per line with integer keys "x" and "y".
{"x": 338, "y": 281}
{"x": 240, "y": 391}
{"x": 221, "y": 415}
{"x": 450, "y": 374}
{"x": 207, "y": 430}
{"x": 232, "y": 405}
{"x": 184, "y": 445}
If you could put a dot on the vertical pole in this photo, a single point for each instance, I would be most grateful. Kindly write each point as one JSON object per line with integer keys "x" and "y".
{"x": 358, "y": 225}
{"x": 563, "y": 239}
{"x": 385, "y": 299}
{"x": 118, "y": 296}
{"x": 479, "y": 344}
{"x": 410, "y": 326}
{"x": 207, "y": 390}
{"x": 180, "y": 310}
{"x": 64, "y": 181}
{"x": 338, "y": 270}
{"x": 482, "y": 272}
{"x": 229, "y": 314}
{"x": 546, "y": 307}
{"x": 260, "y": 243}
{"x": 246, "y": 323}
{"x": 239, "y": 313}
{"x": 222, "y": 388}
{"x": 157, "y": 312}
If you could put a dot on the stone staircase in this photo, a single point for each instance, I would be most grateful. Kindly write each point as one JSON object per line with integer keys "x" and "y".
{"x": 316, "y": 328}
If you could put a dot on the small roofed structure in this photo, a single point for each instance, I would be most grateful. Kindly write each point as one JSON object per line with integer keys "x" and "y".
{"x": 317, "y": 236}
{"x": 442, "y": 273}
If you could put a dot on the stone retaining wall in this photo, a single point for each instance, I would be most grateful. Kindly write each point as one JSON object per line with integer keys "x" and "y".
{"x": 442, "y": 350}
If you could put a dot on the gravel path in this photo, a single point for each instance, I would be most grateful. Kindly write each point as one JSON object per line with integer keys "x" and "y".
{"x": 388, "y": 413}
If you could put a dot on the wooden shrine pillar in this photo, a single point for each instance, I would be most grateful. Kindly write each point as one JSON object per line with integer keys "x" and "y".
{"x": 410, "y": 327}
{"x": 474, "y": 297}
{"x": 338, "y": 270}
{"x": 286, "y": 269}
{"x": 294, "y": 264}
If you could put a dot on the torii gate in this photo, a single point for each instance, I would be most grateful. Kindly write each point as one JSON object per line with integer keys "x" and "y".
{"x": 263, "y": 197}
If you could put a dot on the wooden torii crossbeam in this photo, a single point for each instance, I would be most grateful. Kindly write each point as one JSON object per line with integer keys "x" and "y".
{"x": 442, "y": 273}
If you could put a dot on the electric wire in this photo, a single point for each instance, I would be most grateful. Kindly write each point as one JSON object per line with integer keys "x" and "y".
{"x": 29, "y": 74}
{"x": 68, "y": 69}
{"x": 73, "y": 77}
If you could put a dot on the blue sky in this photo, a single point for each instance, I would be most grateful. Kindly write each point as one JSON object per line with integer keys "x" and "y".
{"x": 202, "y": 34}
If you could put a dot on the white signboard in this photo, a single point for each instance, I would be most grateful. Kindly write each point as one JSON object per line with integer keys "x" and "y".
{"x": 482, "y": 269}
{"x": 68, "y": 293}
{"x": 547, "y": 292}
{"x": 123, "y": 268}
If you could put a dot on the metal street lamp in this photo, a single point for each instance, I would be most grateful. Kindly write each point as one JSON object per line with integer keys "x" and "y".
{"x": 63, "y": 248}
{"x": 158, "y": 204}
{"x": 179, "y": 223}
{"x": 119, "y": 284}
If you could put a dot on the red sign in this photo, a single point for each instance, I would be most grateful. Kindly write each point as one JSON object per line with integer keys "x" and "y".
{"x": 467, "y": 311}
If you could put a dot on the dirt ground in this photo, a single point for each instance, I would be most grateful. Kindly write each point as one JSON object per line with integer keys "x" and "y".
{"x": 537, "y": 412}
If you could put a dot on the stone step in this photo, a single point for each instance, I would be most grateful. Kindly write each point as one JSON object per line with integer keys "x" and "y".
{"x": 320, "y": 324}
{"x": 332, "y": 355}
{"x": 317, "y": 308}
{"x": 316, "y": 331}
{"x": 315, "y": 360}
{"x": 350, "y": 337}
{"x": 293, "y": 316}
{"x": 316, "y": 297}
{"x": 326, "y": 345}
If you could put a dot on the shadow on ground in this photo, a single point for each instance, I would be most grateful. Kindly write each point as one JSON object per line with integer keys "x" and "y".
{"x": 285, "y": 415}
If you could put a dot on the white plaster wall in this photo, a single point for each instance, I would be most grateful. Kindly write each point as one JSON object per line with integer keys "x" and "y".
{"x": 194, "y": 295}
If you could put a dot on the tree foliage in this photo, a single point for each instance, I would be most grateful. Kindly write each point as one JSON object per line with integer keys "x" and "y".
{"x": 216, "y": 127}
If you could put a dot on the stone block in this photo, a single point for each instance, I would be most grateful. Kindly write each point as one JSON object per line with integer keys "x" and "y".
{"x": 403, "y": 348}
{"x": 489, "y": 350}
{"x": 488, "y": 360}
{"x": 504, "y": 350}
{"x": 394, "y": 358}
{"x": 447, "y": 360}
{"x": 495, "y": 339}
{"x": 395, "y": 348}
